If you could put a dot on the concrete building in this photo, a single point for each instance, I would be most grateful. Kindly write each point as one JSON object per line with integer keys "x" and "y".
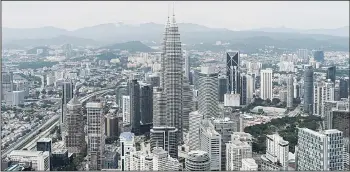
{"x": 67, "y": 95}
{"x": 320, "y": 151}
{"x": 18, "y": 98}
{"x": 96, "y": 136}
{"x": 266, "y": 84}
{"x": 187, "y": 99}
{"x": 146, "y": 103}
{"x": 249, "y": 164}
{"x": 74, "y": 135}
{"x": 163, "y": 162}
{"x": 210, "y": 141}
{"x": 166, "y": 138}
{"x": 135, "y": 109}
{"x": 250, "y": 88}
{"x": 111, "y": 127}
{"x": 222, "y": 87}
{"x": 197, "y": 161}
{"x": 40, "y": 160}
{"x": 243, "y": 91}
{"x": 331, "y": 73}
{"x": 308, "y": 89}
{"x": 323, "y": 91}
{"x": 290, "y": 91}
{"x": 236, "y": 150}
{"x": 277, "y": 151}
{"x": 126, "y": 109}
{"x": 159, "y": 107}
{"x": 44, "y": 144}
{"x": 127, "y": 144}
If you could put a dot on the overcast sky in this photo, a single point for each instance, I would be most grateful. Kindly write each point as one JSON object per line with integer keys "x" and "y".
{"x": 231, "y": 15}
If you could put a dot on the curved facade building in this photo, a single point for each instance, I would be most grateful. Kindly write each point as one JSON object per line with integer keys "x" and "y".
{"x": 208, "y": 92}
{"x": 308, "y": 88}
{"x": 197, "y": 161}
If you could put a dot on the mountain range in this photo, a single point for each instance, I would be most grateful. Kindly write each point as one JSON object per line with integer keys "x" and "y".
{"x": 152, "y": 33}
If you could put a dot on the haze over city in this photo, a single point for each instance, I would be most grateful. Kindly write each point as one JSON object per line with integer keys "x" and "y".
{"x": 233, "y": 15}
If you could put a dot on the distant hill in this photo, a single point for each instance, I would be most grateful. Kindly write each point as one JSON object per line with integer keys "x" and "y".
{"x": 342, "y": 31}
{"x": 35, "y": 49}
{"x": 132, "y": 46}
{"x": 59, "y": 40}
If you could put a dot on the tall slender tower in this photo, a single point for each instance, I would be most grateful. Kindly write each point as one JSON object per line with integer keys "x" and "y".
{"x": 173, "y": 77}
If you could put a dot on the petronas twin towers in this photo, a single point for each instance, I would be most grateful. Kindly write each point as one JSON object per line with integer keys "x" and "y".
{"x": 171, "y": 92}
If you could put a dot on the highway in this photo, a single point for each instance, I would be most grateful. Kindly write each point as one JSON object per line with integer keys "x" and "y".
{"x": 36, "y": 134}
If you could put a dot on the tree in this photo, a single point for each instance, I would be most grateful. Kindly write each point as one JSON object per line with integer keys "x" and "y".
{"x": 275, "y": 101}
{"x": 43, "y": 91}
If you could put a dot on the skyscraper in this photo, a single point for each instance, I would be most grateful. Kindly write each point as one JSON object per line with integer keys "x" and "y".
{"x": 146, "y": 103}
{"x": 308, "y": 89}
{"x": 135, "y": 106}
{"x": 290, "y": 91}
{"x": 166, "y": 138}
{"x": 232, "y": 72}
{"x": 96, "y": 137}
{"x": 266, "y": 84}
{"x": 250, "y": 87}
{"x": 187, "y": 98}
{"x": 187, "y": 65}
{"x": 195, "y": 120}
{"x": 318, "y": 55}
{"x": 197, "y": 161}
{"x": 6, "y": 85}
{"x": 126, "y": 109}
{"x": 207, "y": 93}
{"x": 344, "y": 87}
{"x": 67, "y": 95}
{"x": 74, "y": 135}
{"x": 222, "y": 87}
{"x": 325, "y": 154}
{"x": 243, "y": 93}
{"x": 323, "y": 91}
{"x": 331, "y": 73}
{"x": 159, "y": 107}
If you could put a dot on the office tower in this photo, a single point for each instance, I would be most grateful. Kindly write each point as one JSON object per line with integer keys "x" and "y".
{"x": 146, "y": 103}
{"x": 337, "y": 116}
{"x": 243, "y": 86}
{"x": 303, "y": 54}
{"x": 187, "y": 98}
{"x": 162, "y": 161}
{"x": 7, "y": 83}
{"x": 331, "y": 73}
{"x": 17, "y": 98}
{"x": 344, "y": 88}
{"x": 154, "y": 80}
{"x": 308, "y": 89}
{"x": 337, "y": 90}
{"x": 250, "y": 88}
{"x": 225, "y": 127}
{"x": 296, "y": 89}
{"x": 290, "y": 91}
{"x": 67, "y": 95}
{"x": 40, "y": 160}
{"x": 96, "y": 137}
{"x": 323, "y": 91}
{"x": 320, "y": 151}
{"x": 249, "y": 164}
{"x": 159, "y": 107}
{"x": 254, "y": 67}
{"x": 166, "y": 138}
{"x": 318, "y": 55}
{"x": 236, "y": 150}
{"x": 210, "y": 141}
{"x": 194, "y": 123}
{"x": 44, "y": 144}
{"x": 208, "y": 92}
{"x": 276, "y": 157}
{"x": 111, "y": 127}
{"x": 266, "y": 84}
{"x": 187, "y": 65}
{"x": 197, "y": 161}
{"x": 222, "y": 87}
{"x": 126, "y": 109}
{"x": 135, "y": 106}
{"x": 127, "y": 144}
{"x": 164, "y": 54}
{"x": 232, "y": 72}
{"x": 74, "y": 135}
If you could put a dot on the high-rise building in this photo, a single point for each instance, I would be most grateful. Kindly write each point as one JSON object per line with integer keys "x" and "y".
{"x": 126, "y": 109}
{"x": 331, "y": 73}
{"x": 197, "y": 161}
{"x": 308, "y": 89}
{"x": 318, "y": 55}
{"x": 222, "y": 87}
{"x": 232, "y": 72}
{"x": 320, "y": 151}
{"x": 187, "y": 98}
{"x": 243, "y": 86}
{"x": 44, "y": 144}
{"x": 135, "y": 106}
{"x": 210, "y": 141}
{"x": 74, "y": 135}
{"x": 337, "y": 90}
{"x": 337, "y": 116}
{"x": 96, "y": 136}
{"x": 111, "y": 126}
{"x": 195, "y": 120}
{"x": 290, "y": 91}
{"x": 303, "y": 54}
{"x": 163, "y": 162}
{"x": 153, "y": 79}
{"x": 127, "y": 144}
{"x": 249, "y": 164}
{"x": 250, "y": 88}
{"x": 235, "y": 151}
{"x": 146, "y": 103}
{"x": 266, "y": 84}
{"x": 277, "y": 151}
{"x": 166, "y": 138}
{"x": 6, "y": 85}
{"x": 207, "y": 93}
{"x": 323, "y": 91}
{"x": 159, "y": 107}
{"x": 40, "y": 160}
{"x": 67, "y": 95}
{"x": 344, "y": 88}
{"x": 187, "y": 65}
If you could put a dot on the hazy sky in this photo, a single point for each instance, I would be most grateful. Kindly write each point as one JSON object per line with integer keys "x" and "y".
{"x": 231, "y": 15}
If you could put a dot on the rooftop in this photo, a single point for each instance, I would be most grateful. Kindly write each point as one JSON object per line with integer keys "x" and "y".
{"x": 45, "y": 140}
{"x": 127, "y": 136}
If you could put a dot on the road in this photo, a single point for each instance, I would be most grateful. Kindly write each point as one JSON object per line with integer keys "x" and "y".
{"x": 47, "y": 127}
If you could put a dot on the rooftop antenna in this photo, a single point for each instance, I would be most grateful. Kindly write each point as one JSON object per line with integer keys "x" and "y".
{"x": 173, "y": 8}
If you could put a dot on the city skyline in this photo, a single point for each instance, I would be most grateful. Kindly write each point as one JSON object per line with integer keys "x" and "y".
{"x": 256, "y": 14}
